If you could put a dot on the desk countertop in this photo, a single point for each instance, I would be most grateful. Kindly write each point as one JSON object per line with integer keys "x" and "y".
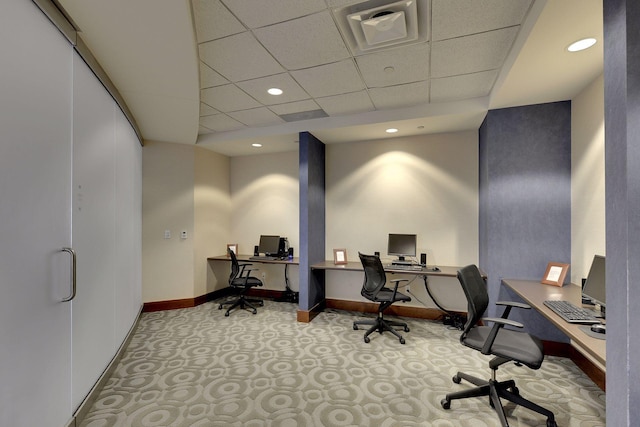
{"x": 445, "y": 271}
{"x": 535, "y": 293}
{"x": 247, "y": 258}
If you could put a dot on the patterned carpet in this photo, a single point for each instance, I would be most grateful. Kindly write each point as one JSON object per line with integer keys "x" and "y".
{"x": 195, "y": 367}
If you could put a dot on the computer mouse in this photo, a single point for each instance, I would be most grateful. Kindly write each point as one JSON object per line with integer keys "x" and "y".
{"x": 435, "y": 269}
{"x": 599, "y": 328}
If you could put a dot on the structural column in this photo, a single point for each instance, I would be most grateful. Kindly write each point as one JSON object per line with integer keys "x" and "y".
{"x": 312, "y": 225}
{"x": 622, "y": 167}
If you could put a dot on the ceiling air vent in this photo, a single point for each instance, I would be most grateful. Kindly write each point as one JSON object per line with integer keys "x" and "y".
{"x": 367, "y": 28}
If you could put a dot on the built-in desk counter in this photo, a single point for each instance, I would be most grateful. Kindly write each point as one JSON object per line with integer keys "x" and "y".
{"x": 535, "y": 293}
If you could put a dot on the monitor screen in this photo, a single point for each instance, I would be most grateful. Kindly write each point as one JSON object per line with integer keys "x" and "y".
{"x": 269, "y": 245}
{"x": 594, "y": 287}
{"x": 402, "y": 245}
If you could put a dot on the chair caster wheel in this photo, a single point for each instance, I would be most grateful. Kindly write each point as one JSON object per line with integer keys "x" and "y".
{"x": 446, "y": 404}
{"x": 551, "y": 423}
{"x": 226, "y": 314}
{"x": 516, "y": 391}
{"x": 355, "y": 327}
{"x": 406, "y": 329}
{"x": 220, "y": 307}
{"x": 255, "y": 311}
{"x": 401, "y": 340}
{"x": 367, "y": 339}
{"x": 456, "y": 379}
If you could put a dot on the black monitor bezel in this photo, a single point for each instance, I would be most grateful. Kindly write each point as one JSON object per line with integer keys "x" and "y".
{"x": 265, "y": 244}
{"x": 592, "y": 282}
{"x": 402, "y": 254}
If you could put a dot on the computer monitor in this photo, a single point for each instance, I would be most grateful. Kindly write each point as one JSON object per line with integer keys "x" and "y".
{"x": 269, "y": 245}
{"x": 402, "y": 245}
{"x": 594, "y": 289}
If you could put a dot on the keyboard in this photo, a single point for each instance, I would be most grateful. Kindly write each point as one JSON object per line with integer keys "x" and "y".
{"x": 571, "y": 313}
{"x": 404, "y": 267}
{"x": 263, "y": 258}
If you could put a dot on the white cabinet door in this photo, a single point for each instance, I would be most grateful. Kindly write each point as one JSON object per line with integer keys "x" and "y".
{"x": 35, "y": 218}
{"x": 94, "y": 230}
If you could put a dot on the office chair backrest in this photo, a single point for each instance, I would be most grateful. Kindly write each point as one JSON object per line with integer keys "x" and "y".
{"x": 475, "y": 289}
{"x": 235, "y": 267}
{"x": 374, "y": 276}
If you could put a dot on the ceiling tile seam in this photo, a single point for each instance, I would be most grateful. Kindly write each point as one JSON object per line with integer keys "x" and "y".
{"x": 465, "y": 74}
{"x": 476, "y": 34}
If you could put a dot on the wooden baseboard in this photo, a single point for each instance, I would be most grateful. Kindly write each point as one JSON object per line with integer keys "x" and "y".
{"x": 394, "y": 310}
{"x": 183, "y": 303}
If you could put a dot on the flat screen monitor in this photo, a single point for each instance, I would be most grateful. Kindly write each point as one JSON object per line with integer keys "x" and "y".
{"x": 269, "y": 245}
{"x": 595, "y": 286}
{"x": 402, "y": 245}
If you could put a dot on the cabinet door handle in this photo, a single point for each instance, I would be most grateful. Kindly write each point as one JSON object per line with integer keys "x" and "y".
{"x": 73, "y": 274}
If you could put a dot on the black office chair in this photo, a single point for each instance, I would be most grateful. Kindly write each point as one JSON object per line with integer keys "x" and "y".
{"x": 241, "y": 281}
{"x": 507, "y": 345}
{"x": 373, "y": 289}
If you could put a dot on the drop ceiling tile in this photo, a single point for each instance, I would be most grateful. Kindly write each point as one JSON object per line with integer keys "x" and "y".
{"x": 455, "y": 18}
{"x": 400, "y": 96}
{"x": 239, "y": 57}
{"x": 220, "y": 123}
{"x": 294, "y": 107}
{"x": 228, "y": 98}
{"x": 214, "y": 21}
{"x": 277, "y": 11}
{"x": 304, "y": 42}
{"x": 330, "y": 79}
{"x": 463, "y": 87}
{"x": 257, "y": 117}
{"x": 209, "y": 78}
{"x": 470, "y": 54}
{"x": 257, "y": 88}
{"x": 409, "y": 64}
{"x": 207, "y": 110}
{"x": 348, "y": 103}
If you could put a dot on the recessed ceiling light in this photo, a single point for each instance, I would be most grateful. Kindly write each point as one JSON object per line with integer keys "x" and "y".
{"x": 256, "y": 145}
{"x": 581, "y": 44}
{"x": 275, "y": 91}
{"x": 391, "y": 130}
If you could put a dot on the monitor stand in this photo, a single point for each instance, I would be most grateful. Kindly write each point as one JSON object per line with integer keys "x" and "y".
{"x": 401, "y": 261}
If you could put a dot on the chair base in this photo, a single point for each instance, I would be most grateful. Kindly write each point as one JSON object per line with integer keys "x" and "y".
{"x": 243, "y": 302}
{"x": 381, "y": 325}
{"x": 496, "y": 390}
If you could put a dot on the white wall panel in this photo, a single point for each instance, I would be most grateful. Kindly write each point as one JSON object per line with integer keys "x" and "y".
{"x": 35, "y": 213}
{"x": 94, "y": 209}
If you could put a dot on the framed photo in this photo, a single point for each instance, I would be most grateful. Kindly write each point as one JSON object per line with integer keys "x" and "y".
{"x": 339, "y": 256}
{"x": 555, "y": 274}
{"x": 233, "y": 247}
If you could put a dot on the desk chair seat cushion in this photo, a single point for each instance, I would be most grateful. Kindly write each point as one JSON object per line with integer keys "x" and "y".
{"x": 509, "y": 344}
{"x": 386, "y": 295}
{"x": 249, "y": 282}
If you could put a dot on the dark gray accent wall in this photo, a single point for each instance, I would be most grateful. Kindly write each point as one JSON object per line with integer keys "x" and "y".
{"x": 312, "y": 219}
{"x": 525, "y": 200}
{"x": 622, "y": 172}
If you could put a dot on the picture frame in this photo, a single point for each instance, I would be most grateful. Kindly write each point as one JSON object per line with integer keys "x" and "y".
{"x": 233, "y": 247}
{"x": 555, "y": 274}
{"x": 339, "y": 256}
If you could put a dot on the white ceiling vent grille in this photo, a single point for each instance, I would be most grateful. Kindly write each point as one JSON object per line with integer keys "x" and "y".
{"x": 384, "y": 25}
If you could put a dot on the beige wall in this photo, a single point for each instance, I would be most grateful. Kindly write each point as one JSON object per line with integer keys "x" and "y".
{"x": 185, "y": 188}
{"x": 587, "y": 179}
{"x": 265, "y": 195}
{"x": 426, "y": 185}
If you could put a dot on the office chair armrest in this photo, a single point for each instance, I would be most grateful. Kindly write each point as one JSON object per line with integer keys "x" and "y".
{"x": 395, "y": 288}
{"x": 497, "y": 324}
{"x": 509, "y": 304}
{"x": 503, "y": 322}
